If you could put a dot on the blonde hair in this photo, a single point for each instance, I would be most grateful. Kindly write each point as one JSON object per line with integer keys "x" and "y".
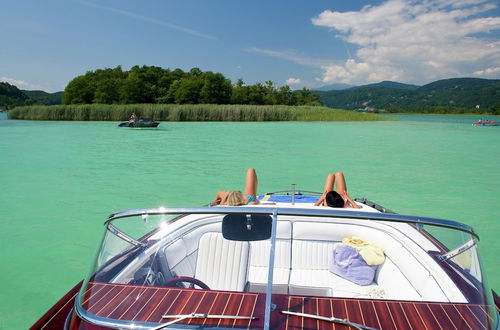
{"x": 235, "y": 198}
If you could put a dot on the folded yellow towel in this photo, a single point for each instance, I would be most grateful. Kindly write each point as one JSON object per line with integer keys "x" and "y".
{"x": 371, "y": 252}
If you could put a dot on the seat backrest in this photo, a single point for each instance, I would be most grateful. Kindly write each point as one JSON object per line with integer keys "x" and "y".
{"x": 180, "y": 255}
{"x": 222, "y": 264}
{"x": 313, "y": 244}
{"x": 259, "y": 250}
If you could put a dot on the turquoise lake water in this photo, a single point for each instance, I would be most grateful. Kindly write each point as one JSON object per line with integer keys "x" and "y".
{"x": 60, "y": 180}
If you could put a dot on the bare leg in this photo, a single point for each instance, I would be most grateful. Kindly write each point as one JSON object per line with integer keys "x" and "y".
{"x": 340, "y": 180}
{"x": 251, "y": 182}
{"x": 329, "y": 182}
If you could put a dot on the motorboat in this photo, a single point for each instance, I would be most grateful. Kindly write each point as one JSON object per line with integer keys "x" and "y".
{"x": 140, "y": 123}
{"x": 269, "y": 266}
{"x": 486, "y": 122}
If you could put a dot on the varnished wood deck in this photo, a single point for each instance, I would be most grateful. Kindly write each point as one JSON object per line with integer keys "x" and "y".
{"x": 148, "y": 304}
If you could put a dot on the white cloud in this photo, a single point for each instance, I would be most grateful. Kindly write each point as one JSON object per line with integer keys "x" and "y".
{"x": 487, "y": 73}
{"x": 415, "y": 41}
{"x": 21, "y": 84}
{"x": 293, "y": 81}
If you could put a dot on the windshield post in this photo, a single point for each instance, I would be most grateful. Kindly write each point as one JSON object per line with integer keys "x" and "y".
{"x": 462, "y": 248}
{"x": 269, "y": 289}
{"x": 124, "y": 236}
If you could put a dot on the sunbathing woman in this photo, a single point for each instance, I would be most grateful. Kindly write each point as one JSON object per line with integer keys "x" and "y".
{"x": 236, "y": 197}
{"x": 339, "y": 198}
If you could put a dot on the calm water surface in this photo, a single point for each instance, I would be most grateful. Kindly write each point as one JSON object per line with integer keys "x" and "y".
{"x": 61, "y": 179}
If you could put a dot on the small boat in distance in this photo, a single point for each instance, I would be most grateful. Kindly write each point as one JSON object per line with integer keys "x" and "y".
{"x": 140, "y": 123}
{"x": 486, "y": 122}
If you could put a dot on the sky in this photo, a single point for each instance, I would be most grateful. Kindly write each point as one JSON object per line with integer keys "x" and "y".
{"x": 44, "y": 44}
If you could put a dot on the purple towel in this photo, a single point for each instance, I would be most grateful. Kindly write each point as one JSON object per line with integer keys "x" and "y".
{"x": 349, "y": 264}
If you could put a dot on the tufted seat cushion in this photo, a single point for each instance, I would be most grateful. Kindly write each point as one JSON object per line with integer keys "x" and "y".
{"x": 313, "y": 245}
{"x": 222, "y": 264}
{"x": 259, "y": 261}
{"x": 310, "y": 270}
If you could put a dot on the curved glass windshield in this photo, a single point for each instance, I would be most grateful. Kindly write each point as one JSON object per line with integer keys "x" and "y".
{"x": 255, "y": 267}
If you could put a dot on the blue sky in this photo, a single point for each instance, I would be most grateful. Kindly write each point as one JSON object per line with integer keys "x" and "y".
{"x": 45, "y": 44}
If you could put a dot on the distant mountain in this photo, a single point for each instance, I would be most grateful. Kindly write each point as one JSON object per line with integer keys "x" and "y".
{"x": 333, "y": 87}
{"x": 11, "y": 96}
{"x": 42, "y": 97}
{"x": 387, "y": 84}
{"x": 463, "y": 93}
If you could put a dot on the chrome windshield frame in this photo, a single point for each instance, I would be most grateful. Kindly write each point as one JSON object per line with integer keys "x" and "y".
{"x": 455, "y": 252}
{"x": 320, "y": 212}
{"x": 270, "y": 274}
{"x": 123, "y": 235}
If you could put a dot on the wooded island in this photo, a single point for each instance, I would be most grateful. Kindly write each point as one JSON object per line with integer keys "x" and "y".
{"x": 164, "y": 94}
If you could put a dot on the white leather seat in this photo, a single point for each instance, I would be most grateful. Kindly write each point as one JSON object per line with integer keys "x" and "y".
{"x": 313, "y": 245}
{"x": 259, "y": 261}
{"x": 222, "y": 264}
{"x": 311, "y": 275}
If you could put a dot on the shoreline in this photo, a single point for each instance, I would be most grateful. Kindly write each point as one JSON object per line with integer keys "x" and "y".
{"x": 189, "y": 112}
{"x": 440, "y": 114}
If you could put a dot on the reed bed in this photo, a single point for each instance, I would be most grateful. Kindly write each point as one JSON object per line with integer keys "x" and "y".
{"x": 187, "y": 112}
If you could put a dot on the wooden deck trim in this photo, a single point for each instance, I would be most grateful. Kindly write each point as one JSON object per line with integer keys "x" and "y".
{"x": 148, "y": 304}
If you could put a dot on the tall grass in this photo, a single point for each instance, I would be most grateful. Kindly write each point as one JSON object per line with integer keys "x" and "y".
{"x": 187, "y": 112}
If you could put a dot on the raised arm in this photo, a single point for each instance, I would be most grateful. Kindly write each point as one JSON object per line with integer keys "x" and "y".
{"x": 321, "y": 199}
{"x": 349, "y": 200}
{"x": 329, "y": 182}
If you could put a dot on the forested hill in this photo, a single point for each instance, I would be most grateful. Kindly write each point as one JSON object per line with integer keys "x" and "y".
{"x": 41, "y": 97}
{"x": 157, "y": 85}
{"x": 449, "y": 95}
{"x": 11, "y": 96}
{"x": 151, "y": 84}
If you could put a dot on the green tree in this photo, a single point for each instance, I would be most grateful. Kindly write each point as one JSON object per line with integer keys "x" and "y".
{"x": 270, "y": 95}
{"x": 170, "y": 97}
{"x": 195, "y": 72}
{"x": 152, "y": 84}
{"x": 188, "y": 91}
{"x": 306, "y": 97}
{"x": 107, "y": 91}
{"x": 79, "y": 90}
{"x": 256, "y": 94}
{"x": 240, "y": 93}
{"x": 148, "y": 78}
{"x": 495, "y": 109}
{"x": 133, "y": 90}
{"x": 285, "y": 96}
{"x": 216, "y": 89}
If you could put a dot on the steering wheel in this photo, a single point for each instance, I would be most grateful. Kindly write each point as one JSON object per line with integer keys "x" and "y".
{"x": 176, "y": 282}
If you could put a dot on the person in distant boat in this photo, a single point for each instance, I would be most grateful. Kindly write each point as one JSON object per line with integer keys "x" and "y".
{"x": 339, "y": 198}
{"x": 132, "y": 117}
{"x": 236, "y": 197}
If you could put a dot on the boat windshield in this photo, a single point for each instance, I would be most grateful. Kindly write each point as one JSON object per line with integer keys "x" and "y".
{"x": 265, "y": 267}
